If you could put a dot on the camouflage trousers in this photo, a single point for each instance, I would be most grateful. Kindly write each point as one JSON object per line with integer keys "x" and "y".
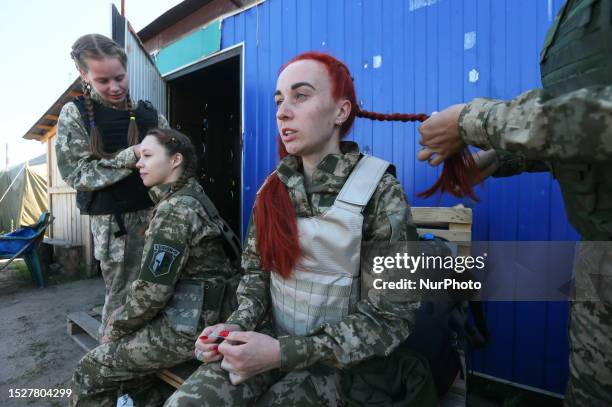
{"x": 127, "y": 366}
{"x": 210, "y": 386}
{"x": 119, "y": 257}
{"x": 590, "y": 328}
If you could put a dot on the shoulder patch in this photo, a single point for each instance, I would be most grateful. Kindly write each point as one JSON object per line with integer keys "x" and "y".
{"x": 162, "y": 259}
{"x": 162, "y": 262}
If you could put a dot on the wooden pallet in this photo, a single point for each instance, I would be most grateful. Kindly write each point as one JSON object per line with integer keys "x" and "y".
{"x": 83, "y": 329}
{"x": 453, "y": 224}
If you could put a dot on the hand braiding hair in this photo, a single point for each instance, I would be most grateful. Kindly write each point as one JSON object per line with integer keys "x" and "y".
{"x": 459, "y": 171}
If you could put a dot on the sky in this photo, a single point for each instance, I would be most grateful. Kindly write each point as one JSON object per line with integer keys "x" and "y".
{"x": 36, "y": 67}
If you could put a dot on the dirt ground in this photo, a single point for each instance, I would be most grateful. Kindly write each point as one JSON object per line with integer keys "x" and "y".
{"x": 35, "y": 349}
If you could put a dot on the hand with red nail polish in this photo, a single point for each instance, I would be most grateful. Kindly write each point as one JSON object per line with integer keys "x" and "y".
{"x": 207, "y": 344}
{"x": 246, "y": 354}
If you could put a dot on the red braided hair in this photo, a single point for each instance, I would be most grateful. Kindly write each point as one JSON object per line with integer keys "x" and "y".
{"x": 274, "y": 215}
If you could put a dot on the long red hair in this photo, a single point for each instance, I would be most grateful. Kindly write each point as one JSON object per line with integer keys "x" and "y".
{"x": 274, "y": 215}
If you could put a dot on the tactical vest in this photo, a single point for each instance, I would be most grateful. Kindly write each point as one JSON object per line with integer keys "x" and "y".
{"x": 578, "y": 53}
{"x": 199, "y": 302}
{"x": 324, "y": 286}
{"x": 577, "y": 50}
{"x": 129, "y": 194}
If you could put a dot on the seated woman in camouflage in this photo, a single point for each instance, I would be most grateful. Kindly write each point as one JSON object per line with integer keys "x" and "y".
{"x": 180, "y": 289}
{"x": 302, "y": 257}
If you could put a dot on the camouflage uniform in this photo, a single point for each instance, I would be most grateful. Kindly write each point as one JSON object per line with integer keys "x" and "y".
{"x": 83, "y": 173}
{"x": 566, "y": 128}
{"x": 309, "y": 371}
{"x": 182, "y": 259}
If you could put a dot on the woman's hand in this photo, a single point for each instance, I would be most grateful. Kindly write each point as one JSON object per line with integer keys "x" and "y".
{"x": 109, "y": 324}
{"x": 440, "y": 136}
{"x": 206, "y": 345}
{"x": 246, "y": 354}
{"x": 136, "y": 149}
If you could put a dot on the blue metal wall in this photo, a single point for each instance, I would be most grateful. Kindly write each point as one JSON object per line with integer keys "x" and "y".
{"x": 425, "y": 66}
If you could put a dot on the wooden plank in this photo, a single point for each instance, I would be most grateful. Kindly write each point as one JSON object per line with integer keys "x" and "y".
{"x": 44, "y": 126}
{"x": 460, "y": 227}
{"x": 169, "y": 379}
{"x": 434, "y": 216}
{"x": 85, "y": 341}
{"x": 74, "y": 94}
{"x": 52, "y": 117}
{"x": 85, "y": 322}
{"x": 49, "y": 134}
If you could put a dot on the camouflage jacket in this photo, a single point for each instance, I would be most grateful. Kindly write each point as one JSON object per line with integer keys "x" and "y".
{"x": 74, "y": 159}
{"x": 182, "y": 244}
{"x": 573, "y": 127}
{"x": 378, "y": 325}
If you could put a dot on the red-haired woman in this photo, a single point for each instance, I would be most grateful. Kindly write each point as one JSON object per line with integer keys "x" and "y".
{"x": 302, "y": 257}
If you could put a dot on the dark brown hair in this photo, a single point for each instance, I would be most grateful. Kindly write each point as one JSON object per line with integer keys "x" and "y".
{"x": 97, "y": 46}
{"x": 175, "y": 142}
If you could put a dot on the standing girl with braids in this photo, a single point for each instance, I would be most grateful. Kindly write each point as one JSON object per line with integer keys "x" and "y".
{"x": 98, "y": 136}
{"x": 185, "y": 282}
{"x": 302, "y": 262}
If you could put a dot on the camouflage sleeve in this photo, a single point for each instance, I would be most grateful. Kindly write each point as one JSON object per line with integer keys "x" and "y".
{"x": 512, "y": 164}
{"x": 575, "y": 127}
{"x": 254, "y": 289}
{"x": 75, "y": 162}
{"x": 175, "y": 228}
{"x": 380, "y": 323}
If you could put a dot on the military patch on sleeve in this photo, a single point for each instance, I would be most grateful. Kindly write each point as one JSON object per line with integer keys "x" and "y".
{"x": 162, "y": 262}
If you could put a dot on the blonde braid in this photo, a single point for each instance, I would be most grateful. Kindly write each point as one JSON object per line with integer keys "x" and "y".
{"x": 133, "y": 134}
{"x": 95, "y": 137}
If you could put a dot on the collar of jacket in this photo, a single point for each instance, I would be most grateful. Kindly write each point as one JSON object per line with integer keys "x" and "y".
{"x": 328, "y": 177}
{"x": 159, "y": 191}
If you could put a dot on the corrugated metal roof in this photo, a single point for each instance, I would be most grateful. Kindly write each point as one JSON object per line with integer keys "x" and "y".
{"x": 45, "y": 127}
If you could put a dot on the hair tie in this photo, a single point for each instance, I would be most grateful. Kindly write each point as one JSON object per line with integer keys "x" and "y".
{"x": 92, "y": 123}
{"x": 132, "y": 117}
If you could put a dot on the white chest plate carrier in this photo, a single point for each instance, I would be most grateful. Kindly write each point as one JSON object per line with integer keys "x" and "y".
{"x": 324, "y": 286}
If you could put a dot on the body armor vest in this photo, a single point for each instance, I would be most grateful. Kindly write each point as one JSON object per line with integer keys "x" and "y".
{"x": 129, "y": 194}
{"x": 578, "y": 53}
{"x": 324, "y": 287}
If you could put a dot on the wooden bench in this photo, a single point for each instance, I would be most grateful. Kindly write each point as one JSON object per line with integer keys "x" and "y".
{"x": 453, "y": 224}
{"x": 83, "y": 329}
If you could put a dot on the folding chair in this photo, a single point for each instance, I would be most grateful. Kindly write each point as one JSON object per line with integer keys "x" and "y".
{"x": 23, "y": 243}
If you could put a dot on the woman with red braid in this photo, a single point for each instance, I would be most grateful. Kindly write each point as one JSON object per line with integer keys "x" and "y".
{"x": 302, "y": 259}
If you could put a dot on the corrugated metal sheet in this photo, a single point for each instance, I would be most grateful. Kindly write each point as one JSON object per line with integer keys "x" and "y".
{"x": 145, "y": 80}
{"x": 69, "y": 224}
{"x": 420, "y": 56}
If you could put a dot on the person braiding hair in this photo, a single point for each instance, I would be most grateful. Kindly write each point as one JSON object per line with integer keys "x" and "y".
{"x": 275, "y": 218}
{"x": 91, "y": 48}
{"x": 175, "y": 142}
